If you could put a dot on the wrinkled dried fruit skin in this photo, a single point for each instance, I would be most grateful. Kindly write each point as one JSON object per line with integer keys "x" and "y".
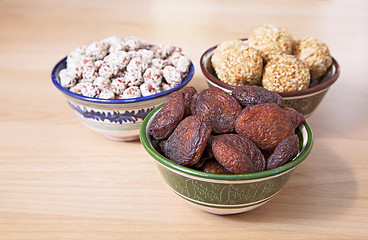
{"x": 220, "y": 107}
{"x": 206, "y": 155}
{"x": 156, "y": 144}
{"x": 212, "y": 166}
{"x": 238, "y": 154}
{"x": 266, "y": 154}
{"x": 188, "y": 141}
{"x": 295, "y": 117}
{"x": 284, "y": 152}
{"x": 265, "y": 124}
{"x": 188, "y": 93}
{"x": 170, "y": 115}
{"x": 252, "y": 95}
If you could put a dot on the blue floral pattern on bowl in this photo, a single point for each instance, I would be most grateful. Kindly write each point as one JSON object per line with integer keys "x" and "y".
{"x": 114, "y": 116}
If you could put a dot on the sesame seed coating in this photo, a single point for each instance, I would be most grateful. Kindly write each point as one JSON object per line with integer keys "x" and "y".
{"x": 285, "y": 73}
{"x": 270, "y": 40}
{"x": 223, "y": 47}
{"x": 315, "y": 54}
{"x": 237, "y": 64}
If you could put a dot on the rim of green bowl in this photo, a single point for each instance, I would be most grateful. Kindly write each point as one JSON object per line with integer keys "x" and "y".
{"x": 230, "y": 177}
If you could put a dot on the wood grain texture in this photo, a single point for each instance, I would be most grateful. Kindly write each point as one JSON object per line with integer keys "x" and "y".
{"x": 59, "y": 180}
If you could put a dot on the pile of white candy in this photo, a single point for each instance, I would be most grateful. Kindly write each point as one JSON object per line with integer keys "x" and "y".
{"x": 117, "y": 68}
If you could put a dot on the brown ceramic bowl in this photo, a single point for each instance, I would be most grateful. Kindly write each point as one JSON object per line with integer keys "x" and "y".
{"x": 304, "y": 101}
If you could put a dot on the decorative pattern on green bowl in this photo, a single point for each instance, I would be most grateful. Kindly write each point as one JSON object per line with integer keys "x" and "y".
{"x": 225, "y": 194}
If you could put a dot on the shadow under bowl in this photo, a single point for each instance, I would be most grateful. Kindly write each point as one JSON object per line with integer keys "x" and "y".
{"x": 304, "y": 101}
{"x": 219, "y": 193}
{"x": 116, "y": 119}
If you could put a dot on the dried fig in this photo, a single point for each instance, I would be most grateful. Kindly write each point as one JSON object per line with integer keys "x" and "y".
{"x": 238, "y": 154}
{"x": 295, "y": 117}
{"x": 252, "y": 95}
{"x": 170, "y": 115}
{"x": 212, "y": 166}
{"x": 188, "y": 141}
{"x": 265, "y": 124}
{"x": 188, "y": 93}
{"x": 220, "y": 107}
{"x": 284, "y": 152}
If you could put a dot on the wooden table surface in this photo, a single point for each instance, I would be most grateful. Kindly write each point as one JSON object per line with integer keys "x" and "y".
{"x": 59, "y": 180}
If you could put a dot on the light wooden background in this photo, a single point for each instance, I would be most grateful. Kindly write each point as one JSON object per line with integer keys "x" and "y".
{"x": 59, "y": 180}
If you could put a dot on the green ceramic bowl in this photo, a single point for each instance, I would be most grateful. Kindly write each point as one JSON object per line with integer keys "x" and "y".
{"x": 225, "y": 194}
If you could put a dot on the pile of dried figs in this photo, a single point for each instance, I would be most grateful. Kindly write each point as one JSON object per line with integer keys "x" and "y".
{"x": 213, "y": 131}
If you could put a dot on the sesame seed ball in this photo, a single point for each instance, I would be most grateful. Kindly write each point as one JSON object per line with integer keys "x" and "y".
{"x": 222, "y": 47}
{"x": 315, "y": 54}
{"x": 237, "y": 64}
{"x": 270, "y": 40}
{"x": 285, "y": 73}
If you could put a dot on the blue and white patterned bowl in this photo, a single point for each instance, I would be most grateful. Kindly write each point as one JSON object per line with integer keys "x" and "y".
{"x": 117, "y": 119}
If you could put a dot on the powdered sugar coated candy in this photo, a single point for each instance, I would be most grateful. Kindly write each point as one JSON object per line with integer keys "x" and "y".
{"x": 183, "y": 70}
{"x": 145, "y": 54}
{"x": 133, "y": 78}
{"x": 121, "y": 59}
{"x": 132, "y": 43}
{"x": 96, "y": 50}
{"x": 106, "y": 94}
{"x": 153, "y": 75}
{"x": 180, "y": 62}
{"x": 66, "y": 80}
{"x": 108, "y": 70}
{"x": 115, "y": 64}
{"x": 89, "y": 72}
{"x": 162, "y": 51}
{"x": 149, "y": 88}
{"x": 74, "y": 62}
{"x": 118, "y": 85}
{"x": 102, "y": 83}
{"x": 112, "y": 40}
{"x": 171, "y": 75}
{"x": 159, "y": 63}
{"x": 89, "y": 90}
{"x": 76, "y": 55}
{"x": 76, "y": 89}
{"x": 165, "y": 86}
{"x": 131, "y": 92}
{"x": 174, "y": 58}
{"x": 117, "y": 47}
{"x": 137, "y": 64}
{"x": 98, "y": 64}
